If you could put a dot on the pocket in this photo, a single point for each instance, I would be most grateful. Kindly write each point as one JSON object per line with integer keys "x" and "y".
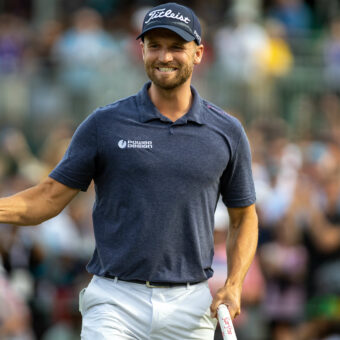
{"x": 81, "y": 300}
{"x": 209, "y": 299}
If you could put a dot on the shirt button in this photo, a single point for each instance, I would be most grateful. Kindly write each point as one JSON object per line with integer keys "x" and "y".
{"x": 171, "y": 131}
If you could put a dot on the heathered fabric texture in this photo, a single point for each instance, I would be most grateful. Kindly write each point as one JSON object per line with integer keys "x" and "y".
{"x": 157, "y": 183}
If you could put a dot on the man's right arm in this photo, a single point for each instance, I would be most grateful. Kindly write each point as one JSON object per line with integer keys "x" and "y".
{"x": 37, "y": 204}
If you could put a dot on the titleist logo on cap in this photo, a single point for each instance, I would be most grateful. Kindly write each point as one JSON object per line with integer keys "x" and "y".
{"x": 174, "y": 17}
{"x": 161, "y": 13}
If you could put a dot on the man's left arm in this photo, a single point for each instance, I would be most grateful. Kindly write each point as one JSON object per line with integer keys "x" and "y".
{"x": 241, "y": 247}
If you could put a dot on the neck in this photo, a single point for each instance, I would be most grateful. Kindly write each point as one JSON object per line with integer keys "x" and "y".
{"x": 174, "y": 103}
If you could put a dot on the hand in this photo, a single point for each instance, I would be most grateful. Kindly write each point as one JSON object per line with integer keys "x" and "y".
{"x": 231, "y": 297}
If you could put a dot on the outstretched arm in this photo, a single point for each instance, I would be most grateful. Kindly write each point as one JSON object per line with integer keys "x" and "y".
{"x": 241, "y": 247}
{"x": 37, "y": 204}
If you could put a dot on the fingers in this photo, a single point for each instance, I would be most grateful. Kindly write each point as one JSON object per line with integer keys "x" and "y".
{"x": 225, "y": 297}
{"x": 233, "y": 311}
{"x": 213, "y": 308}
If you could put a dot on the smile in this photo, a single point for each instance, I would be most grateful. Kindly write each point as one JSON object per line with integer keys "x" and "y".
{"x": 166, "y": 69}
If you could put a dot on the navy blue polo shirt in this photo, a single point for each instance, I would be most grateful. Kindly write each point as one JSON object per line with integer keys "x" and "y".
{"x": 157, "y": 183}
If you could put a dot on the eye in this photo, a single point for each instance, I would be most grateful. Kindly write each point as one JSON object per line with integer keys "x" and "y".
{"x": 178, "y": 47}
{"x": 153, "y": 45}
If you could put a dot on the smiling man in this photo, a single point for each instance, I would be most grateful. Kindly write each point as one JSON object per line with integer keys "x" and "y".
{"x": 169, "y": 59}
{"x": 159, "y": 160}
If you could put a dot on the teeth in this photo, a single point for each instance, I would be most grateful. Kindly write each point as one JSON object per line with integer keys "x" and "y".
{"x": 166, "y": 69}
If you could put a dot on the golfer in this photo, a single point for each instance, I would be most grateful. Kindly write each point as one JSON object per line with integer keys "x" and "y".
{"x": 159, "y": 160}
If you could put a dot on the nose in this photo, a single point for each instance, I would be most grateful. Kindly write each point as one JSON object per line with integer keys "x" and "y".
{"x": 165, "y": 55}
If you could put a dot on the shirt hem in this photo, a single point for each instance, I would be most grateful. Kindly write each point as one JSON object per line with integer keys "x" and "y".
{"x": 67, "y": 181}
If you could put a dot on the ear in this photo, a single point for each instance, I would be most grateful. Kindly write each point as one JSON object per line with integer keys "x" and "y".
{"x": 198, "y": 54}
{"x": 142, "y": 47}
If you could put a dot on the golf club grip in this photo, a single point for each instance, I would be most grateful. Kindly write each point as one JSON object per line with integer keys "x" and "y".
{"x": 226, "y": 323}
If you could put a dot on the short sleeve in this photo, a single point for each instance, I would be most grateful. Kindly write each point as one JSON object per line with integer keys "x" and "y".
{"x": 77, "y": 168}
{"x": 237, "y": 184}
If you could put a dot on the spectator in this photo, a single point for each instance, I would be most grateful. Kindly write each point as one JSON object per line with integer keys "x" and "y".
{"x": 82, "y": 53}
{"x": 15, "y": 147}
{"x": 329, "y": 117}
{"x": 15, "y": 38}
{"x": 276, "y": 164}
{"x": 295, "y": 15}
{"x": 14, "y": 313}
{"x": 278, "y": 58}
{"x": 318, "y": 211}
{"x": 243, "y": 43}
{"x": 332, "y": 56}
{"x": 239, "y": 50}
{"x": 284, "y": 262}
{"x": 276, "y": 63}
{"x": 48, "y": 97}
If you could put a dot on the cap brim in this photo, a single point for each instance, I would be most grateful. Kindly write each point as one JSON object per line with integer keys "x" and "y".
{"x": 183, "y": 34}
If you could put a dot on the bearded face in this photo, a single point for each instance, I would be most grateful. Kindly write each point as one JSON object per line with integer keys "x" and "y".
{"x": 168, "y": 59}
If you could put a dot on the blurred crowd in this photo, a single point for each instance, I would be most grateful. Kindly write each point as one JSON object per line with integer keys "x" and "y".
{"x": 273, "y": 64}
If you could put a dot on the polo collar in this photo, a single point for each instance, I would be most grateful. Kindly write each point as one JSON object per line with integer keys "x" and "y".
{"x": 149, "y": 112}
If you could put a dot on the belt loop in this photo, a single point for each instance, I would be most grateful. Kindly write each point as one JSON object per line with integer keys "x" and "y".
{"x": 188, "y": 285}
{"x": 115, "y": 280}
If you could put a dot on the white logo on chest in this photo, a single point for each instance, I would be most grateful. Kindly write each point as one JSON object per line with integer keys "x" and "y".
{"x": 122, "y": 144}
{"x": 135, "y": 144}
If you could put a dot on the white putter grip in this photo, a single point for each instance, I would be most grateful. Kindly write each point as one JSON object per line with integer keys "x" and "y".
{"x": 226, "y": 323}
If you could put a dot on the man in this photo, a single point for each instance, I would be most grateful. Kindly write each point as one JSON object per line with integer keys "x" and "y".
{"x": 159, "y": 161}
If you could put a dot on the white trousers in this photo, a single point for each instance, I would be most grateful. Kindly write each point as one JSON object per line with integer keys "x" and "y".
{"x": 118, "y": 310}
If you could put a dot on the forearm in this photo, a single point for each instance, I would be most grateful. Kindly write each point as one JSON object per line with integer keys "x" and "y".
{"x": 241, "y": 248}
{"x": 20, "y": 209}
{"x": 36, "y": 204}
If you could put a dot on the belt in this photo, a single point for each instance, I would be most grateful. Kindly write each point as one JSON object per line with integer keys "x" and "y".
{"x": 150, "y": 284}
